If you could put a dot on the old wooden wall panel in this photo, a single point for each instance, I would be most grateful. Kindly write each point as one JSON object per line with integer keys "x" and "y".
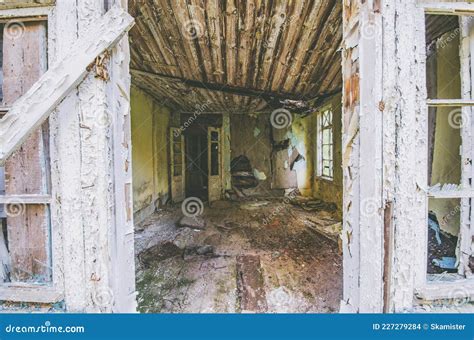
{"x": 27, "y": 169}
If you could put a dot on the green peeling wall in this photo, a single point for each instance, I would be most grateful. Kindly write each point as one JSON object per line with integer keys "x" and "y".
{"x": 150, "y": 125}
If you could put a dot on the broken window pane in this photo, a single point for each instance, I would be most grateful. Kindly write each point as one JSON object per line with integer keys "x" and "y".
{"x": 443, "y": 64}
{"x": 444, "y": 139}
{"x": 444, "y": 220}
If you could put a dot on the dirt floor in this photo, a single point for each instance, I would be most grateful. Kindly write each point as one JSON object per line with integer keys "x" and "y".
{"x": 265, "y": 256}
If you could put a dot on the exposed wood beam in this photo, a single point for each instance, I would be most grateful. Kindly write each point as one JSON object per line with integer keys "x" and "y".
{"x": 32, "y": 109}
{"x": 242, "y": 91}
{"x": 289, "y": 101}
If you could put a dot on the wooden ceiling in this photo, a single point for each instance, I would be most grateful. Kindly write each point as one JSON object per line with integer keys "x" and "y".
{"x": 236, "y": 55}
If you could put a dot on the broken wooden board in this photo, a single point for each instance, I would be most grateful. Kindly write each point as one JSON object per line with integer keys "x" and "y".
{"x": 250, "y": 285}
{"x": 32, "y": 109}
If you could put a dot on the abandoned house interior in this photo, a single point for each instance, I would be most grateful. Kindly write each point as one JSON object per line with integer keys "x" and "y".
{"x": 203, "y": 156}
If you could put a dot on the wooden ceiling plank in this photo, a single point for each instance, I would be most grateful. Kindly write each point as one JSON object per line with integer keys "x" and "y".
{"x": 326, "y": 21}
{"x": 231, "y": 28}
{"x": 215, "y": 29}
{"x": 325, "y": 52}
{"x": 200, "y": 43}
{"x": 307, "y": 36}
{"x": 247, "y": 17}
{"x": 202, "y": 48}
{"x": 292, "y": 31}
{"x": 256, "y": 47}
{"x": 171, "y": 33}
{"x": 179, "y": 18}
{"x": 215, "y": 36}
{"x": 161, "y": 45}
{"x": 273, "y": 44}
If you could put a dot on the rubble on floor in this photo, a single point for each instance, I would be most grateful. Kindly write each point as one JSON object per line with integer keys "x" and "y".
{"x": 192, "y": 222}
{"x": 274, "y": 257}
{"x": 312, "y": 204}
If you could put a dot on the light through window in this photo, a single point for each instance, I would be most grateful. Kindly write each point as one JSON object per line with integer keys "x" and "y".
{"x": 325, "y": 159}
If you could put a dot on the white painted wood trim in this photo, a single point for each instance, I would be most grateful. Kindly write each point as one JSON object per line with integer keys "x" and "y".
{"x": 25, "y": 199}
{"x": 449, "y": 102}
{"x": 62, "y": 77}
{"x": 444, "y": 8}
{"x": 40, "y": 11}
{"x": 371, "y": 205}
{"x": 467, "y": 66}
{"x": 459, "y": 289}
{"x": 30, "y": 293}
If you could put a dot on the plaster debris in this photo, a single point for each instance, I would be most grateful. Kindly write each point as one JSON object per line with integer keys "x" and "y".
{"x": 260, "y": 175}
{"x": 192, "y": 222}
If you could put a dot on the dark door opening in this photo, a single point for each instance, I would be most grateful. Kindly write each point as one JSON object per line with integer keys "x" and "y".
{"x": 196, "y": 164}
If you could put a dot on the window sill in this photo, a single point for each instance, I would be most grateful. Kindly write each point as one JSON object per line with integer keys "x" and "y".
{"x": 451, "y": 288}
{"x": 30, "y": 293}
{"x": 326, "y": 179}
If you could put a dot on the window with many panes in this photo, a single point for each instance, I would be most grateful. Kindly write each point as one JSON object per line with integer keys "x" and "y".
{"x": 450, "y": 48}
{"x": 325, "y": 144}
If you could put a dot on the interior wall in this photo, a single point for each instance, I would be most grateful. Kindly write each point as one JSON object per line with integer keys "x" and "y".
{"x": 150, "y": 125}
{"x": 301, "y": 134}
{"x": 250, "y": 137}
{"x": 446, "y": 166}
{"x": 330, "y": 191}
{"x": 278, "y": 156}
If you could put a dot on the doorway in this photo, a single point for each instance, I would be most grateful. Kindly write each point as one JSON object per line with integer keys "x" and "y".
{"x": 197, "y": 159}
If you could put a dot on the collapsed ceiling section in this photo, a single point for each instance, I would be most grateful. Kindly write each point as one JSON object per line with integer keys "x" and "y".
{"x": 236, "y": 56}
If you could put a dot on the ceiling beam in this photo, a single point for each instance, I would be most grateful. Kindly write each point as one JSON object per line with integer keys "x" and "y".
{"x": 241, "y": 91}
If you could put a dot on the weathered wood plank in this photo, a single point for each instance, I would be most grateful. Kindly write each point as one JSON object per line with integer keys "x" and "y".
{"x": 7, "y": 4}
{"x": 62, "y": 77}
{"x": 251, "y": 285}
{"x": 24, "y": 61}
{"x": 15, "y": 293}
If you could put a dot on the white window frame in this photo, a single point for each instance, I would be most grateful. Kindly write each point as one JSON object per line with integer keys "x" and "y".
{"x": 439, "y": 286}
{"x": 319, "y": 143}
